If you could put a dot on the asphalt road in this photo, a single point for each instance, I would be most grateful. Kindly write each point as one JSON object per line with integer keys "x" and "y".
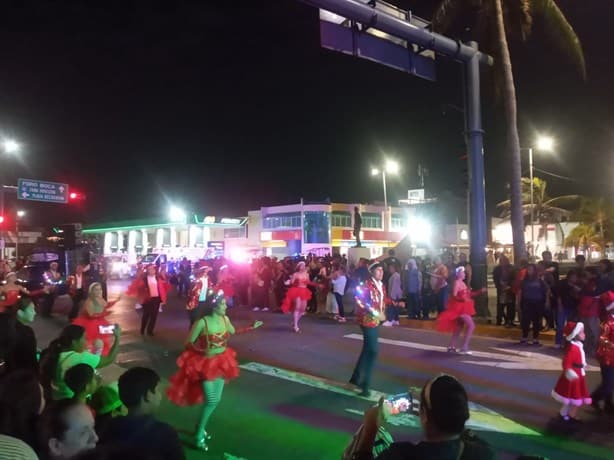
{"x": 291, "y": 402}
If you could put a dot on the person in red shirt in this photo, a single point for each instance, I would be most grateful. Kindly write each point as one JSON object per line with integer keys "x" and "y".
{"x": 605, "y": 355}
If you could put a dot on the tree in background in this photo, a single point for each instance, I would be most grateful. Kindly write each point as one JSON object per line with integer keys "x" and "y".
{"x": 498, "y": 20}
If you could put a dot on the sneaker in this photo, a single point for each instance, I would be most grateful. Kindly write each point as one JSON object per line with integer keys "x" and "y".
{"x": 451, "y": 350}
{"x": 465, "y": 352}
{"x": 255, "y": 309}
{"x": 387, "y": 324}
{"x": 536, "y": 343}
{"x": 396, "y": 323}
{"x": 160, "y": 309}
{"x": 341, "y": 319}
{"x": 265, "y": 309}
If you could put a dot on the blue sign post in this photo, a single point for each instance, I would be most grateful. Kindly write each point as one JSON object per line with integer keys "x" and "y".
{"x": 39, "y": 190}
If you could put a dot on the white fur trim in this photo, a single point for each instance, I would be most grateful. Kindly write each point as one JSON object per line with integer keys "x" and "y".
{"x": 576, "y": 330}
{"x": 570, "y": 374}
{"x": 568, "y": 401}
{"x": 580, "y": 346}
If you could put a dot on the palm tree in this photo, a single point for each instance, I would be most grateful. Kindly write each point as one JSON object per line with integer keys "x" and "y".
{"x": 546, "y": 209}
{"x": 597, "y": 212}
{"x": 585, "y": 238}
{"x": 496, "y": 19}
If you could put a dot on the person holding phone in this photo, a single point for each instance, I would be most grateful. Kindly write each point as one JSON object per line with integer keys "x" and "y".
{"x": 98, "y": 331}
{"x": 206, "y": 365}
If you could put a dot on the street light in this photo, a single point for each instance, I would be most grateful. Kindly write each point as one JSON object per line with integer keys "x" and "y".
{"x": 546, "y": 144}
{"x": 10, "y": 146}
{"x": 390, "y": 167}
{"x": 176, "y": 214}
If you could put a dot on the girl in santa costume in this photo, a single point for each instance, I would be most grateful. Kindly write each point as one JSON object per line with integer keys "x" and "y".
{"x": 570, "y": 389}
{"x": 298, "y": 295}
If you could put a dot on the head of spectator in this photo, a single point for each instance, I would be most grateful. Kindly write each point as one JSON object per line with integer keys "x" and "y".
{"x": 605, "y": 266}
{"x": 462, "y": 258}
{"x": 580, "y": 261}
{"x": 26, "y": 311}
{"x": 504, "y": 260}
{"x": 65, "y": 429}
{"x": 444, "y": 408}
{"x": 572, "y": 276}
{"x": 412, "y": 264}
{"x": 392, "y": 269}
{"x": 532, "y": 272}
{"x": 72, "y": 338}
{"x": 82, "y": 380}
{"x": 547, "y": 256}
{"x": 139, "y": 390}
{"x": 21, "y": 402}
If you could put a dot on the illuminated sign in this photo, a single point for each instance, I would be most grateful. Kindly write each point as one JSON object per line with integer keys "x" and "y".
{"x": 227, "y": 220}
{"x": 212, "y": 220}
{"x": 209, "y": 220}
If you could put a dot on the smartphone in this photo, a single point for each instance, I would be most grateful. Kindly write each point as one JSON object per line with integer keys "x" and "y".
{"x": 110, "y": 329}
{"x": 399, "y": 404}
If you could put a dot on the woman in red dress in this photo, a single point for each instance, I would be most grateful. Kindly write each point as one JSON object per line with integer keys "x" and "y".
{"x": 206, "y": 365}
{"x": 11, "y": 292}
{"x": 458, "y": 313}
{"x": 98, "y": 331}
{"x": 571, "y": 389}
{"x": 225, "y": 282}
{"x": 298, "y": 295}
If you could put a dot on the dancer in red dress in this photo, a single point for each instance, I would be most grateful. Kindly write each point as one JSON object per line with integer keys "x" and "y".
{"x": 226, "y": 282}
{"x": 458, "y": 313}
{"x": 206, "y": 365}
{"x": 98, "y": 331}
{"x": 298, "y": 295}
{"x": 570, "y": 389}
{"x": 11, "y": 292}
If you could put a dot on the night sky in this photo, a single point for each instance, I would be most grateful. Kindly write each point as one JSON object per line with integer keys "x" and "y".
{"x": 225, "y": 106}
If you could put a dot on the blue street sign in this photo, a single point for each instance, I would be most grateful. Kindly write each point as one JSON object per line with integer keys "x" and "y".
{"x": 39, "y": 190}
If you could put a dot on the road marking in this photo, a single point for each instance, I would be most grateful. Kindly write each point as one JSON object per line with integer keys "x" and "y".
{"x": 481, "y": 418}
{"x": 508, "y": 359}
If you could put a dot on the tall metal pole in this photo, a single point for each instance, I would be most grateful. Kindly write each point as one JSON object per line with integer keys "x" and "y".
{"x": 16, "y": 238}
{"x": 475, "y": 134}
{"x": 385, "y": 200}
{"x": 531, "y": 192}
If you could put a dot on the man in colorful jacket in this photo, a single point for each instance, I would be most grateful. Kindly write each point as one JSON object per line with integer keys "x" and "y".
{"x": 371, "y": 300}
{"x": 605, "y": 355}
{"x": 201, "y": 289}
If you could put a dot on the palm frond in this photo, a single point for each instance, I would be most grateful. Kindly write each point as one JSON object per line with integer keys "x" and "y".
{"x": 558, "y": 199}
{"x": 445, "y": 14}
{"x": 518, "y": 18}
{"x": 561, "y": 32}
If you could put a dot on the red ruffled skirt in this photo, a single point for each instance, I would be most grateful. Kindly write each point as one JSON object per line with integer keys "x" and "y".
{"x": 447, "y": 320}
{"x": 572, "y": 392}
{"x": 185, "y": 387}
{"x": 91, "y": 325}
{"x": 295, "y": 292}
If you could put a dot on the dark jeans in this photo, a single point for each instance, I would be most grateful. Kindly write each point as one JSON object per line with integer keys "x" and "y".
{"x": 197, "y": 313}
{"x": 392, "y": 313}
{"x": 605, "y": 390}
{"x": 77, "y": 298}
{"x": 531, "y": 314}
{"x": 150, "y": 314}
{"x": 47, "y": 304}
{"x": 506, "y": 312}
{"x": 414, "y": 307}
{"x": 442, "y": 299}
{"x": 260, "y": 296}
{"x": 562, "y": 316}
{"x": 364, "y": 367}
{"x": 339, "y": 299}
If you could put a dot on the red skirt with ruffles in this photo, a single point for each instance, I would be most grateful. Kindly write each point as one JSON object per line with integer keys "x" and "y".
{"x": 92, "y": 324}
{"x": 295, "y": 292}
{"x": 185, "y": 387}
{"x": 447, "y": 320}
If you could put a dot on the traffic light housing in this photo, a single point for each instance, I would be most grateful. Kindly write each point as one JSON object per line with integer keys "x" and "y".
{"x": 75, "y": 196}
{"x": 70, "y": 234}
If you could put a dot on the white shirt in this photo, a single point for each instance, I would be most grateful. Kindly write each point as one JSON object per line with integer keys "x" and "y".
{"x": 79, "y": 279}
{"x": 339, "y": 284}
{"x": 152, "y": 283}
{"x": 380, "y": 287}
{"x": 203, "y": 290}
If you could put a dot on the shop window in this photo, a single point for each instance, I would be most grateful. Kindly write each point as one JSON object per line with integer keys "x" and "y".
{"x": 341, "y": 219}
{"x": 371, "y": 220}
{"x": 316, "y": 227}
{"x": 282, "y": 220}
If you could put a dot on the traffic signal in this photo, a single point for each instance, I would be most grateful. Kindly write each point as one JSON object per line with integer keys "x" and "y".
{"x": 70, "y": 234}
{"x": 75, "y": 196}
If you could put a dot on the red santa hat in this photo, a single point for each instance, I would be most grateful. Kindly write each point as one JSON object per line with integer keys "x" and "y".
{"x": 607, "y": 299}
{"x": 571, "y": 330}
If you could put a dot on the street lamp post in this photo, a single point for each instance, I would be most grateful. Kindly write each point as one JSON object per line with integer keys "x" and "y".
{"x": 546, "y": 144}
{"x": 390, "y": 167}
{"x": 10, "y": 147}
